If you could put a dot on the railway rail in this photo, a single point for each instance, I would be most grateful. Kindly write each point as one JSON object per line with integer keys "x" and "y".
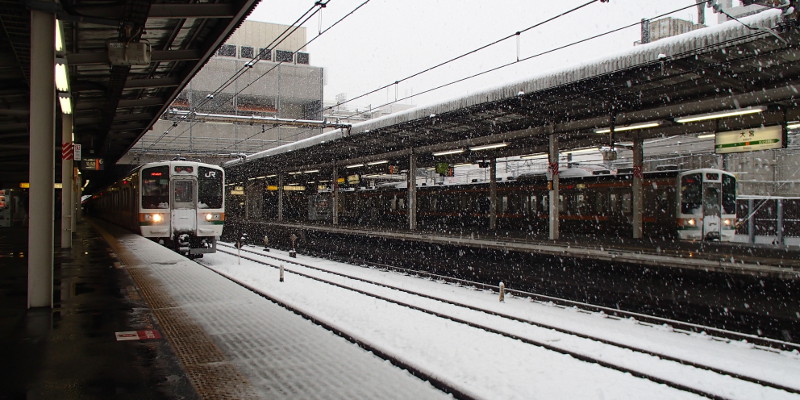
{"x": 373, "y": 289}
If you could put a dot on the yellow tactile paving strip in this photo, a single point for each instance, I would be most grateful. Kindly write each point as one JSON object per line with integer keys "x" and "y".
{"x": 211, "y": 374}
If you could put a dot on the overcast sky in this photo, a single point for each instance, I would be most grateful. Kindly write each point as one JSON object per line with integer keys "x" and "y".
{"x": 388, "y": 40}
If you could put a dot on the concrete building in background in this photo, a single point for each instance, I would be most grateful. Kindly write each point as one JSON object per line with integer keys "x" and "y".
{"x": 217, "y": 118}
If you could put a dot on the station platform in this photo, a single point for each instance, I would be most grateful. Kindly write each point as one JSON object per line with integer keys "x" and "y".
{"x": 71, "y": 351}
{"x": 134, "y": 320}
{"x": 781, "y": 262}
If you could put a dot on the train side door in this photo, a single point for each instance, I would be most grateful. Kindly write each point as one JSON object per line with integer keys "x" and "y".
{"x": 712, "y": 206}
{"x": 184, "y": 215}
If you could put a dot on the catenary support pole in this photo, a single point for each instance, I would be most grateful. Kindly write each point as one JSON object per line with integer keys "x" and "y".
{"x": 42, "y": 160}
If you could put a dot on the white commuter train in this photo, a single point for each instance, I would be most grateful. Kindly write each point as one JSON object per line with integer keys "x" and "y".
{"x": 178, "y": 203}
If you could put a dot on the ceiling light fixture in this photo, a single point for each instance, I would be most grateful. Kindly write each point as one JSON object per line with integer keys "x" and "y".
{"x": 488, "y": 146}
{"x": 720, "y": 114}
{"x": 643, "y": 125}
{"x": 446, "y": 152}
{"x": 62, "y": 80}
{"x": 65, "y": 102}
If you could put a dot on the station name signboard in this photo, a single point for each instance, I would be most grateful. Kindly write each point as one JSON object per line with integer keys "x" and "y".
{"x": 770, "y": 137}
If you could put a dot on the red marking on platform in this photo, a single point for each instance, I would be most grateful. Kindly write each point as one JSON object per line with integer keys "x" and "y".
{"x": 149, "y": 334}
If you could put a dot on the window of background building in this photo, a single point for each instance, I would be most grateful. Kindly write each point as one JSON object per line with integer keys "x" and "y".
{"x": 284, "y": 56}
{"x": 246, "y": 52}
{"x": 302, "y": 58}
{"x": 266, "y": 54}
{"x": 227, "y": 50}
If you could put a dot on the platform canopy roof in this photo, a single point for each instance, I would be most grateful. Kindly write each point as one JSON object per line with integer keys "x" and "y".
{"x": 114, "y": 105}
{"x": 735, "y": 65}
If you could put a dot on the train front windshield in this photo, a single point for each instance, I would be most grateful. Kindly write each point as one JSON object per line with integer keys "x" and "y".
{"x": 155, "y": 187}
{"x": 209, "y": 192}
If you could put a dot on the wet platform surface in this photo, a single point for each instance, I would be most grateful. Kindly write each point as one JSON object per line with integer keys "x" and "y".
{"x": 210, "y": 338}
{"x": 71, "y": 351}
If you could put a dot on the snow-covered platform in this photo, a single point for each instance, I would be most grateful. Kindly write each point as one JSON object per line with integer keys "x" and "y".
{"x": 236, "y": 344}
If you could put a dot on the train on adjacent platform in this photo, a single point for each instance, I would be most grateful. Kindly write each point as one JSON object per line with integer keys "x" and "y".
{"x": 178, "y": 203}
{"x": 695, "y": 204}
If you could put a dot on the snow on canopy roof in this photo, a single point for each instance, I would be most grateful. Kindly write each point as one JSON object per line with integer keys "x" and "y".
{"x": 642, "y": 54}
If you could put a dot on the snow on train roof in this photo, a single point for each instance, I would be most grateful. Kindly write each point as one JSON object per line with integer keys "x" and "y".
{"x": 645, "y": 53}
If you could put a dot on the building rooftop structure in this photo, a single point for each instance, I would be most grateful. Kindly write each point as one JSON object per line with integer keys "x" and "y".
{"x": 255, "y": 93}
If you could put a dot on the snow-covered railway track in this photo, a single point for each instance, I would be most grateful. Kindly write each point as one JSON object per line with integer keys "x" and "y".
{"x": 379, "y": 290}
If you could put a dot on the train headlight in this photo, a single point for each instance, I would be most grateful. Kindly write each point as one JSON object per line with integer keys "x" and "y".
{"x": 213, "y": 217}
{"x": 151, "y": 218}
{"x": 691, "y": 222}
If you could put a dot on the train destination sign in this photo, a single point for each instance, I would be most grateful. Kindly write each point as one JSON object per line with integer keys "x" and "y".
{"x": 770, "y": 137}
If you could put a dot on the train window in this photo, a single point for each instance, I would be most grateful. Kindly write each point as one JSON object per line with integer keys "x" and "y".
{"x": 627, "y": 202}
{"x": 691, "y": 193}
{"x": 711, "y": 200}
{"x": 601, "y": 204}
{"x": 209, "y": 188}
{"x": 582, "y": 204}
{"x": 729, "y": 194}
{"x": 155, "y": 187}
{"x": 183, "y": 191}
{"x": 613, "y": 203}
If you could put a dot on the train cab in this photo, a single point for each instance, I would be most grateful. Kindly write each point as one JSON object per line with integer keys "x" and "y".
{"x": 706, "y": 208}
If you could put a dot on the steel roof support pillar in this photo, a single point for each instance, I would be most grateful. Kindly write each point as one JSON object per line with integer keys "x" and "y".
{"x": 66, "y": 184}
{"x": 412, "y": 192}
{"x": 493, "y": 194}
{"x": 280, "y": 197}
{"x": 638, "y": 194}
{"x": 335, "y": 195}
{"x": 552, "y": 183}
{"x": 42, "y": 160}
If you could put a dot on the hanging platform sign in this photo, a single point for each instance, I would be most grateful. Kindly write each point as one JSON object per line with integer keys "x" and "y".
{"x": 92, "y": 164}
{"x": 770, "y": 137}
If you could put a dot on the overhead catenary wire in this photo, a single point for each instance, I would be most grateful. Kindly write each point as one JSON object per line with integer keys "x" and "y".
{"x": 495, "y": 42}
{"x": 519, "y": 60}
{"x": 308, "y": 14}
{"x": 496, "y": 68}
{"x": 473, "y": 75}
{"x": 281, "y": 62}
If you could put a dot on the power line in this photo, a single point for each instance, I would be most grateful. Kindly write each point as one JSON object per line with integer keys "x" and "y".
{"x": 516, "y": 34}
{"x": 277, "y": 65}
{"x": 277, "y": 40}
{"x": 306, "y": 44}
{"x": 521, "y": 59}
